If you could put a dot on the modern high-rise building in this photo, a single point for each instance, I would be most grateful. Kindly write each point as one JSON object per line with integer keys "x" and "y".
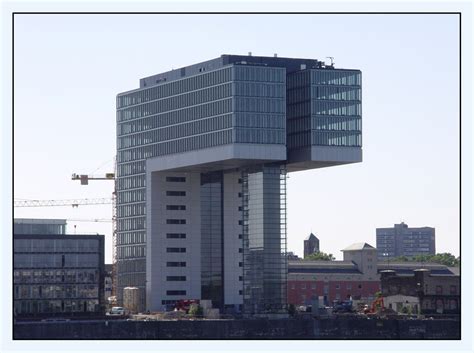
{"x": 202, "y": 157}
{"x": 404, "y": 241}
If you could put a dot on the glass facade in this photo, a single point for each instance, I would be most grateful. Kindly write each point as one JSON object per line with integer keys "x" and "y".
{"x": 212, "y": 238}
{"x": 39, "y": 226}
{"x": 58, "y": 276}
{"x": 264, "y": 236}
{"x": 324, "y": 108}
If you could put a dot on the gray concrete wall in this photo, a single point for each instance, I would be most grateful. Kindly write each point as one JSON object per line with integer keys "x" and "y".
{"x": 340, "y": 328}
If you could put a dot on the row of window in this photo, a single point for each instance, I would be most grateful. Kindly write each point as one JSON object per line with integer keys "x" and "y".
{"x": 175, "y": 235}
{"x": 128, "y": 224}
{"x": 130, "y": 168}
{"x": 175, "y": 87}
{"x": 176, "y": 278}
{"x": 176, "y": 264}
{"x": 131, "y": 251}
{"x": 340, "y": 93}
{"x": 176, "y": 207}
{"x": 176, "y": 250}
{"x": 131, "y": 210}
{"x": 131, "y": 266}
{"x": 174, "y": 179}
{"x": 56, "y": 245}
{"x": 175, "y": 221}
{"x": 176, "y": 102}
{"x": 176, "y": 131}
{"x": 55, "y": 291}
{"x": 325, "y": 287}
{"x": 55, "y": 276}
{"x": 175, "y": 193}
{"x": 343, "y": 123}
{"x": 178, "y": 116}
{"x": 336, "y": 77}
{"x": 260, "y": 89}
{"x": 56, "y": 306}
{"x": 131, "y": 196}
{"x": 260, "y": 120}
{"x": 131, "y": 238}
{"x": 267, "y": 136}
{"x": 325, "y": 138}
{"x": 259, "y": 73}
{"x": 336, "y": 108}
{"x": 324, "y": 77}
{"x": 55, "y": 260}
{"x": 177, "y": 146}
{"x": 260, "y": 105}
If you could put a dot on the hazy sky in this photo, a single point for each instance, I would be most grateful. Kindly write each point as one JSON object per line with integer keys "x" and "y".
{"x": 69, "y": 68}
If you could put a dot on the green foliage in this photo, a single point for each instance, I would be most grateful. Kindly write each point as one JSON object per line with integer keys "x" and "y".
{"x": 195, "y": 310}
{"x": 378, "y": 294}
{"x": 320, "y": 256}
{"x": 446, "y": 259}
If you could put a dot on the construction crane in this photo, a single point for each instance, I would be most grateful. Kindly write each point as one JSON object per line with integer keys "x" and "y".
{"x": 84, "y": 178}
{"x": 70, "y": 202}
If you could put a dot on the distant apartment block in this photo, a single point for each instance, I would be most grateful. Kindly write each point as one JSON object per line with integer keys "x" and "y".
{"x": 311, "y": 245}
{"x": 404, "y": 241}
{"x": 56, "y": 274}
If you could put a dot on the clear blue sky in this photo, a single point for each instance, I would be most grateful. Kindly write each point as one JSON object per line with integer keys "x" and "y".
{"x": 69, "y": 68}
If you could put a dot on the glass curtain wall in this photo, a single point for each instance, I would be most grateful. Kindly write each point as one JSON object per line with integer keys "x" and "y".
{"x": 264, "y": 220}
{"x": 212, "y": 238}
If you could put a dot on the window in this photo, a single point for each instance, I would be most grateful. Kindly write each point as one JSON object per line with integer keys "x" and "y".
{"x": 240, "y": 236}
{"x": 175, "y": 249}
{"x": 175, "y": 207}
{"x": 176, "y": 179}
{"x": 241, "y": 222}
{"x": 240, "y": 208}
{"x": 175, "y": 264}
{"x": 241, "y": 278}
{"x": 359, "y": 286}
{"x": 240, "y": 264}
{"x": 176, "y": 278}
{"x": 303, "y": 285}
{"x": 439, "y": 290}
{"x": 338, "y": 286}
{"x": 175, "y": 292}
{"x": 241, "y": 250}
{"x": 313, "y": 285}
{"x": 240, "y": 194}
{"x": 240, "y": 292}
{"x": 452, "y": 290}
{"x": 176, "y": 193}
{"x": 175, "y": 221}
{"x": 175, "y": 235}
{"x": 292, "y": 286}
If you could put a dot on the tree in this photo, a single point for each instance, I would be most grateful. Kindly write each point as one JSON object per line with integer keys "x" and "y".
{"x": 320, "y": 256}
{"x": 195, "y": 310}
{"x": 446, "y": 259}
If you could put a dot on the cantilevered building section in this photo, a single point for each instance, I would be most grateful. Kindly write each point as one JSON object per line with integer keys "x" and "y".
{"x": 203, "y": 153}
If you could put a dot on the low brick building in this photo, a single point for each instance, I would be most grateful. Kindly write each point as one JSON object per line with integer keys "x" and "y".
{"x": 356, "y": 276}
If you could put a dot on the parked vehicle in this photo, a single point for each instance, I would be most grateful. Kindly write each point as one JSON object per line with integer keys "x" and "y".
{"x": 117, "y": 310}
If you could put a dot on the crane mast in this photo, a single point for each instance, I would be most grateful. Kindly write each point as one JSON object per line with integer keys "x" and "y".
{"x": 84, "y": 179}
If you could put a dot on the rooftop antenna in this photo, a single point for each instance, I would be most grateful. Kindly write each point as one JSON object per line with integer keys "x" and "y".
{"x": 332, "y": 59}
